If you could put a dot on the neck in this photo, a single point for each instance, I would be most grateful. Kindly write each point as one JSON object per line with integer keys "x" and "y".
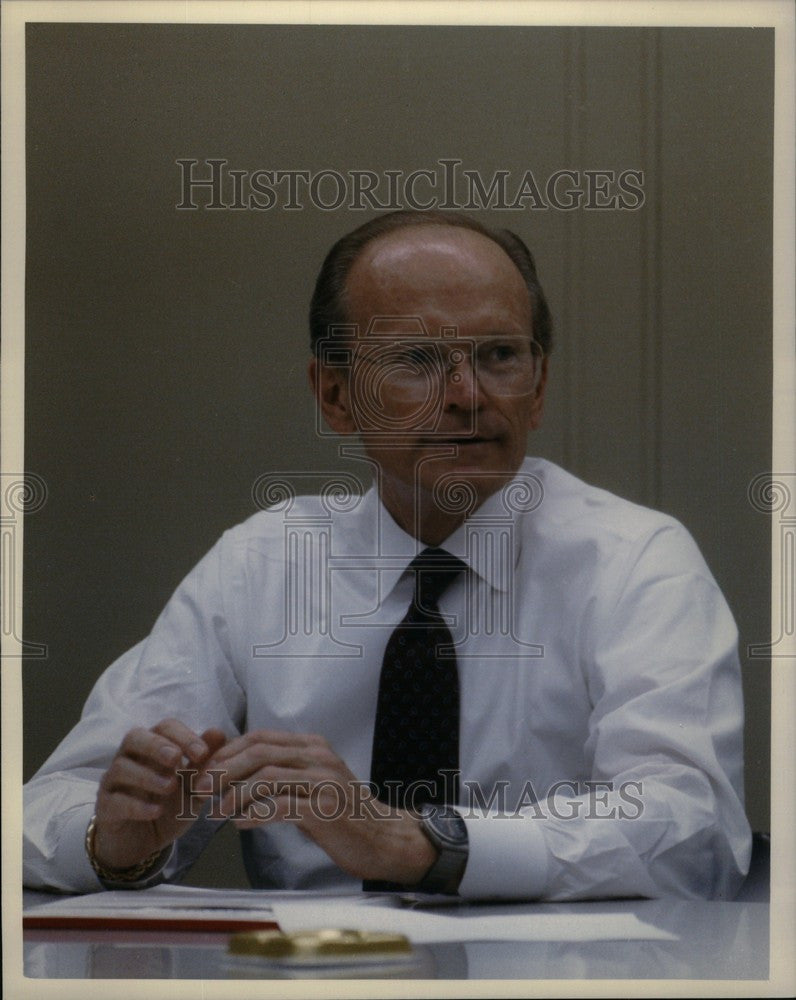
{"x": 415, "y": 511}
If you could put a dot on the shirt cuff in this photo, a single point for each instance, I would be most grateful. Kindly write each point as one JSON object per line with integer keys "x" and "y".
{"x": 71, "y": 861}
{"x": 507, "y": 859}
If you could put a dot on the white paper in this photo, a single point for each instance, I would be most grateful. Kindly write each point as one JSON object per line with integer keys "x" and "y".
{"x": 424, "y": 928}
{"x": 169, "y": 900}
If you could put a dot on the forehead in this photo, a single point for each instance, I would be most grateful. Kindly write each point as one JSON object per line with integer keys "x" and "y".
{"x": 445, "y": 274}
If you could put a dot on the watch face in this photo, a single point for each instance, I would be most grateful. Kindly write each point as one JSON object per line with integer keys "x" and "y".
{"x": 449, "y": 825}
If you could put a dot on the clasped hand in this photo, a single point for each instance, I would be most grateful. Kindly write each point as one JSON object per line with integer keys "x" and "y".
{"x": 153, "y": 792}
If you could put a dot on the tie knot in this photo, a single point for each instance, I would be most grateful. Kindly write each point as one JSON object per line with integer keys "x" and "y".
{"x": 434, "y": 571}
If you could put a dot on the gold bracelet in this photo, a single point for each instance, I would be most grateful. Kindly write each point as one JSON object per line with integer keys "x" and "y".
{"x": 132, "y": 874}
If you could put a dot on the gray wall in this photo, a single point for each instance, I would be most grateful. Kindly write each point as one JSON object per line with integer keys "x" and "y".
{"x": 166, "y": 349}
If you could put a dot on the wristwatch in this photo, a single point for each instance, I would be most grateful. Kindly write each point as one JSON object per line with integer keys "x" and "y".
{"x": 447, "y": 831}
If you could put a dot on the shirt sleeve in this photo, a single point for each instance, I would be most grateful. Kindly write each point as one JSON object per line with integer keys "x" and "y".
{"x": 184, "y": 670}
{"x": 662, "y": 811}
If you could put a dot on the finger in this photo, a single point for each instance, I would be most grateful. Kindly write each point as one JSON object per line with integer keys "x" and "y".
{"x": 299, "y": 752}
{"x": 214, "y": 739}
{"x": 271, "y": 809}
{"x": 270, "y": 737}
{"x": 164, "y": 745}
{"x": 136, "y": 779}
{"x": 191, "y": 745}
{"x": 267, "y": 784}
{"x": 275, "y": 811}
{"x": 303, "y": 802}
{"x": 262, "y": 761}
{"x": 151, "y": 749}
{"x": 119, "y": 807}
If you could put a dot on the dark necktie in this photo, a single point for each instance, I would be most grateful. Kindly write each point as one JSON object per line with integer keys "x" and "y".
{"x": 416, "y": 737}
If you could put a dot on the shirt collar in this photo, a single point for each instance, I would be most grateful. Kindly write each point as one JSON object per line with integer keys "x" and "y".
{"x": 488, "y": 542}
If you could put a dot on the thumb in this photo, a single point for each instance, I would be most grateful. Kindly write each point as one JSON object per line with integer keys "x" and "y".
{"x": 215, "y": 739}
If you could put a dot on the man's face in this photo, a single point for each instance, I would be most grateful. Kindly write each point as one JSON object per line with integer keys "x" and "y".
{"x": 435, "y": 388}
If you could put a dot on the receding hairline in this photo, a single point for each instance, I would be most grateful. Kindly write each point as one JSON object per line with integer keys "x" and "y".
{"x": 329, "y": 310}
{"x": 370, "y": 249}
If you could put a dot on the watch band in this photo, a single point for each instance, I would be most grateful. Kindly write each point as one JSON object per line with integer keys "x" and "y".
{"x": 446, "y": 873}
{"x": 135, "y": 873}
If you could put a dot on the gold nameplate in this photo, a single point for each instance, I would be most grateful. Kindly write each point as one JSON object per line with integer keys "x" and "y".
{"x": 330, "y": 944}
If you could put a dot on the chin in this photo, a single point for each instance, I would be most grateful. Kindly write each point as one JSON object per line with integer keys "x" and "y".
{"x": 452, "y": 480}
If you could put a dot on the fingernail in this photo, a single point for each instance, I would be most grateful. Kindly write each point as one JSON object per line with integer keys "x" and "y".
{"x": 197, "y": 749}
{"x": 168, "y": 754}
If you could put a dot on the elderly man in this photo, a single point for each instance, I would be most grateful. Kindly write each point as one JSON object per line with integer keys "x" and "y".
{"x": 482, "y": 676}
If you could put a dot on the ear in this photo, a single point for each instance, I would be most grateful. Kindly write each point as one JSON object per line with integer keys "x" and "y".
{"x": 330, "y": 388}
{"x": 537, "y": 404}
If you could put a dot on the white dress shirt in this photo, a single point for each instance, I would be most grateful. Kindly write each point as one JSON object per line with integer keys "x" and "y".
{"x": 593, "y": 646}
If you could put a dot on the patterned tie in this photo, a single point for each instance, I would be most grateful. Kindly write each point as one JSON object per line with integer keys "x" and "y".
{"x": 417, "y": 719}
{"x": 416, "y": 738}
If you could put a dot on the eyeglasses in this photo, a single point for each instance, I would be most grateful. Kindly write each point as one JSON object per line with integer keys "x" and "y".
{"x": 418, "y": 368}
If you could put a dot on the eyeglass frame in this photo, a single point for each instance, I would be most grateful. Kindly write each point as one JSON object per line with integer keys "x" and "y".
{"x": 444, "y": 355}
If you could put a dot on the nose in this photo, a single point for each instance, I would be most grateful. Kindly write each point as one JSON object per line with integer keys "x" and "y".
{"x": 462, "y": 388}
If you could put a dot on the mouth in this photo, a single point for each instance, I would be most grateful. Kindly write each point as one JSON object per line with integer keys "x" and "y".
{"x": 462, "y": 440}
